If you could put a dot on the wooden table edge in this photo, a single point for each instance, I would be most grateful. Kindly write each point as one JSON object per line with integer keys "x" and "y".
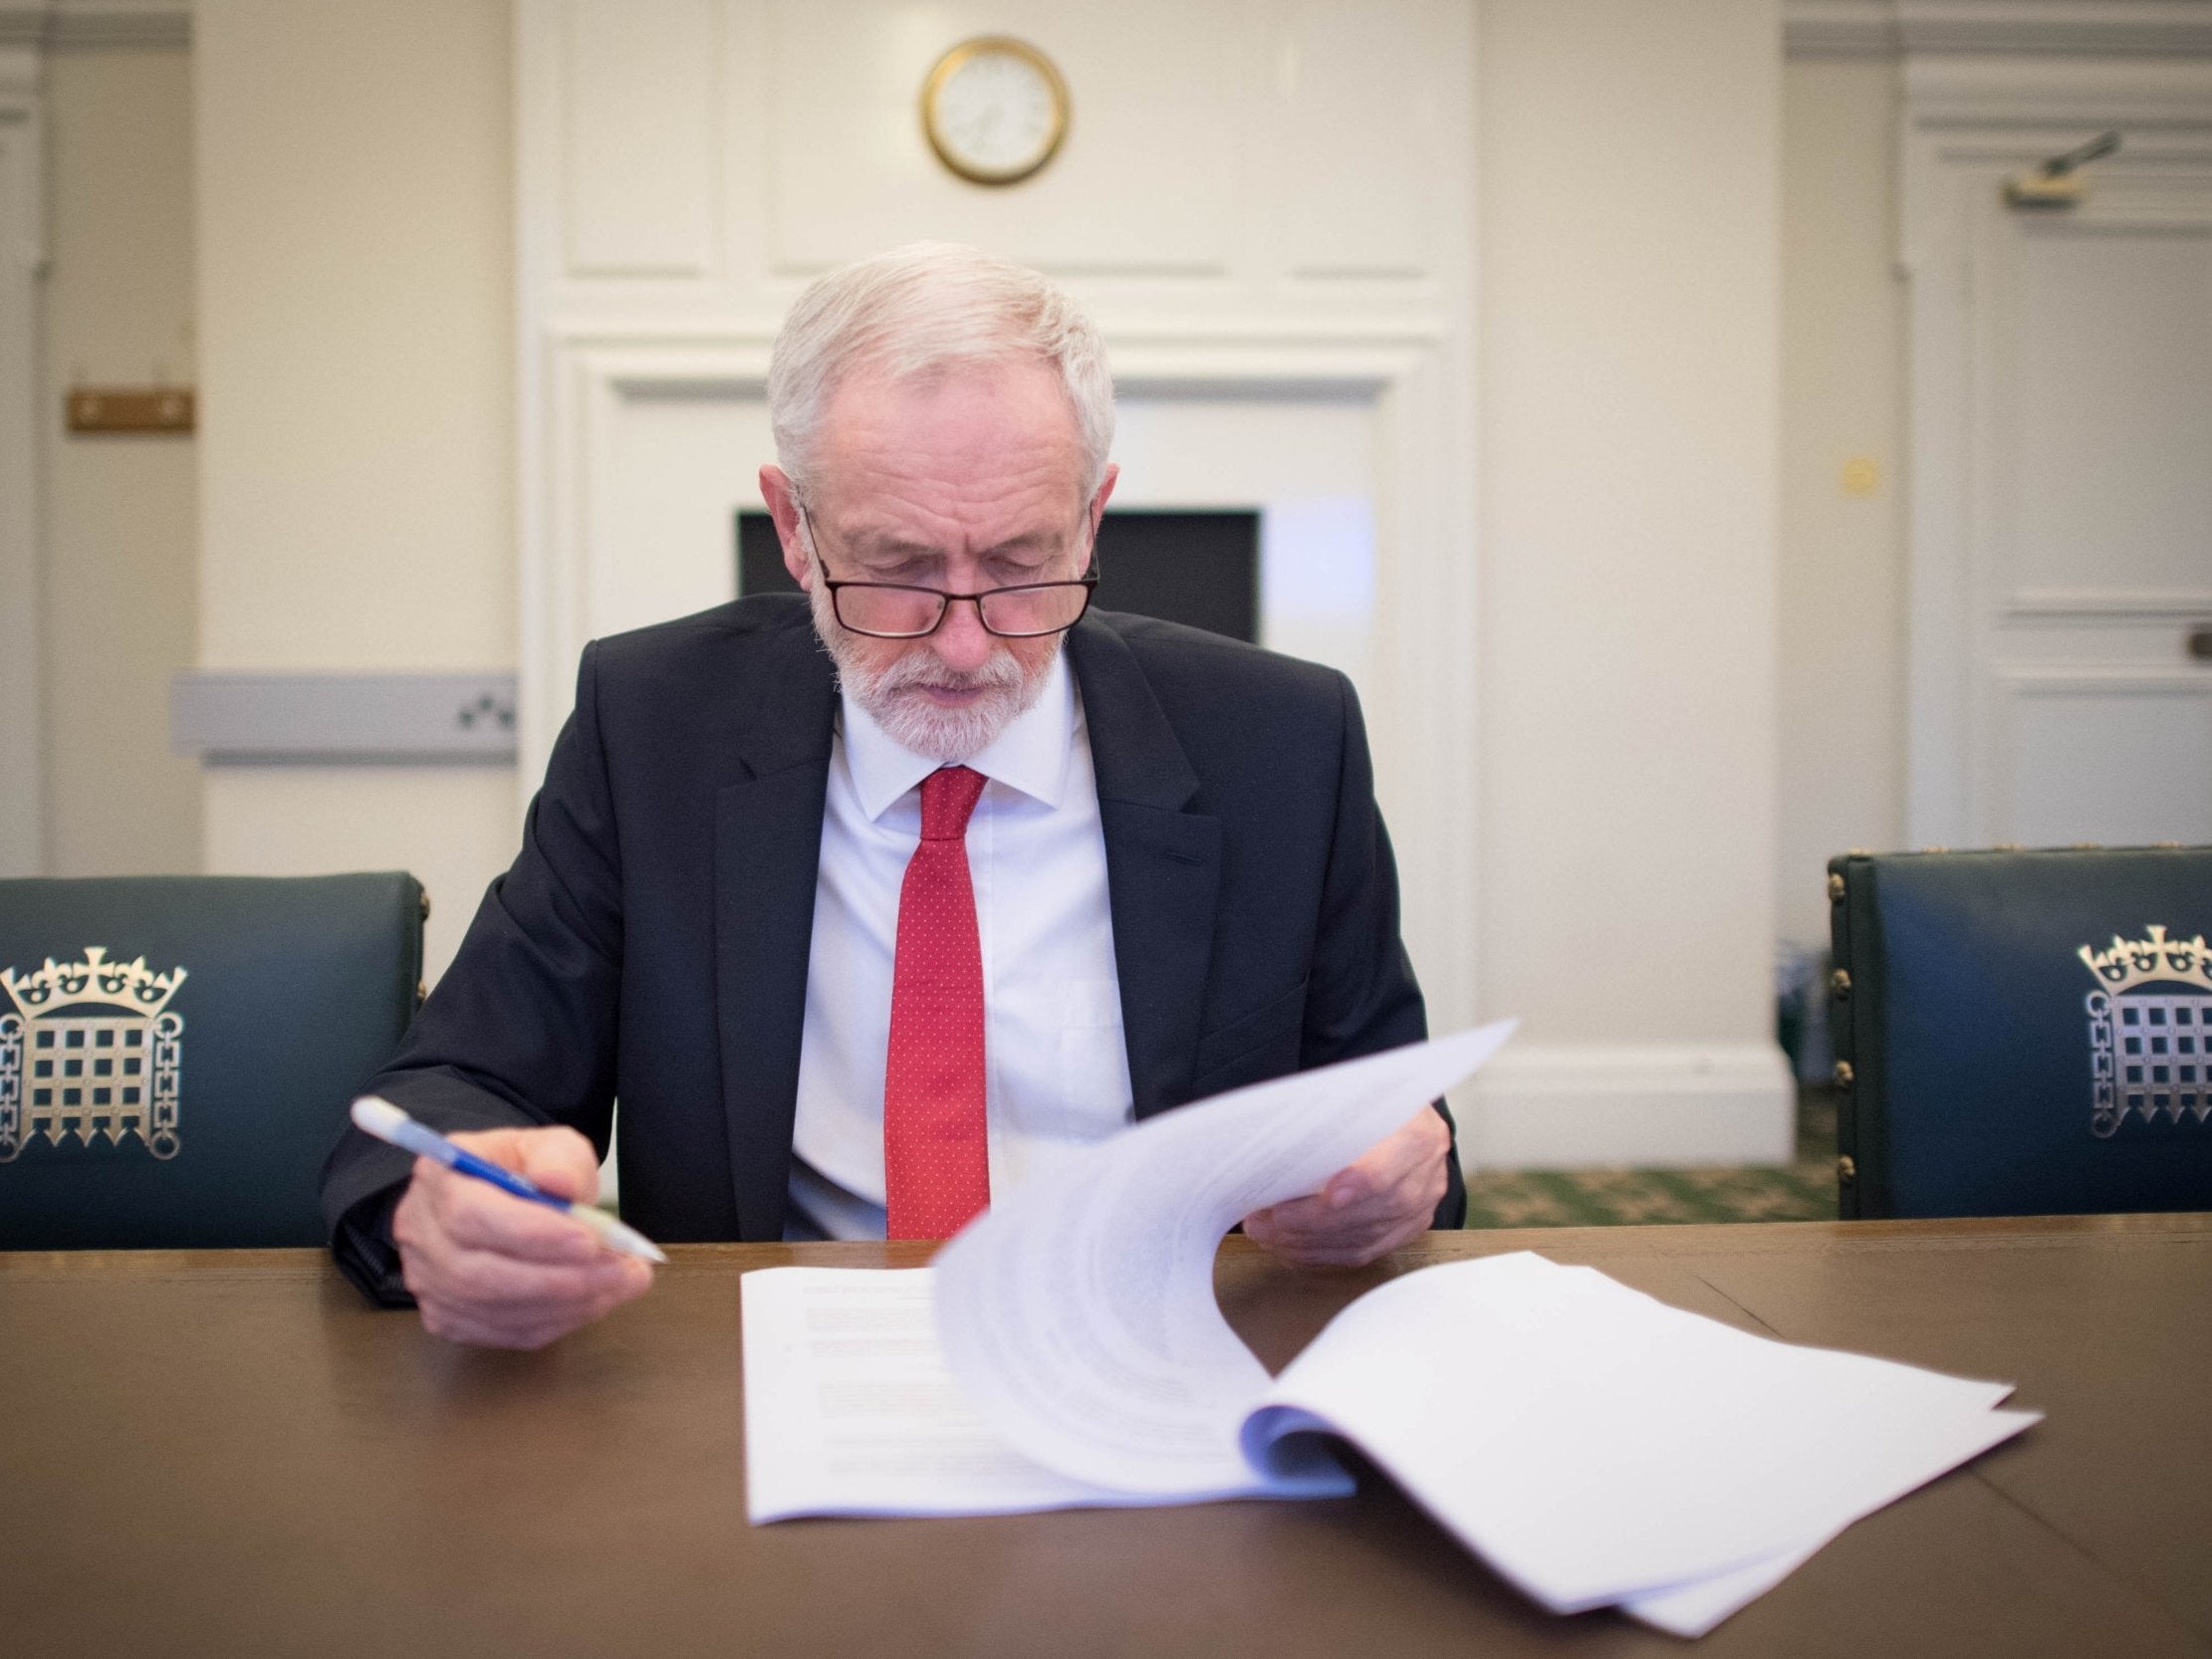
{"x": 1703, "y": 1238}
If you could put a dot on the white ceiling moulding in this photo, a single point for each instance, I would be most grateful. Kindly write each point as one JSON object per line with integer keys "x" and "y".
{"x": 2029, "y": 103}
{"x": 81, "y": 25}
{"x": 1839, "y": 28}
{"x": 2071, "y": 28}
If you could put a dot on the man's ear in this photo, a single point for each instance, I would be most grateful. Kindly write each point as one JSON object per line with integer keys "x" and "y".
{"x": 1105, "y": 489}
{"x": 782, "y": 496}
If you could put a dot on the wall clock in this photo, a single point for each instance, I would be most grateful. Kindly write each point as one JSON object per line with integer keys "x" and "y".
{"x": 995, "y": 109}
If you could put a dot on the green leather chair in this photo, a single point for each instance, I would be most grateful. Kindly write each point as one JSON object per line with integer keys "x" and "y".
{"x": 2023, "y": 1032}
{"x": 177, "y": 1052}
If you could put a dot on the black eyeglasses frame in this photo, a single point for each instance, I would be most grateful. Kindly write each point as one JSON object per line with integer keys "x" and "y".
{"x": 1088, "y": 581}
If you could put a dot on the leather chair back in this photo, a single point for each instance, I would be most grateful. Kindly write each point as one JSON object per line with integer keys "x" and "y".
{"x": 2023, "y": 1032}
{"x": 177, "y": 1052}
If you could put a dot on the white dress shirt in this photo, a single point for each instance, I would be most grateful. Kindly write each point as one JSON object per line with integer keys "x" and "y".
{"x": 1057, "y": 1074}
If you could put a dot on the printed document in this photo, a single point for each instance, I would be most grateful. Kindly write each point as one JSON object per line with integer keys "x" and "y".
{"x": 1594, "y": 1446}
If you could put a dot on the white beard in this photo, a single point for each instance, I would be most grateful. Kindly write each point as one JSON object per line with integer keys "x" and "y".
{"x": 893, "y": 697}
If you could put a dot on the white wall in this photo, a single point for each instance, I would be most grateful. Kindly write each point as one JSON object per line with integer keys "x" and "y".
{"x": 1843, "y": 568}
{"x": 357, "y": 374}
{"x": 120, "y": 532}
{"x": 1629, "y": 245}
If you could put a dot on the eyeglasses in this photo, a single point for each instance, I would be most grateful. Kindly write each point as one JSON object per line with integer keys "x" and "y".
{"x": 896, "y": 610}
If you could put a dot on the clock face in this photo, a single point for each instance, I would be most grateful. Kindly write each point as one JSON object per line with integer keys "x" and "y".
{"x": 995, "y": 109}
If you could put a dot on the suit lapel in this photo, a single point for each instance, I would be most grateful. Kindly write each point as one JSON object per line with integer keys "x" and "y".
{"x": 1163, "y": 875}
{"x": 767, "y": 846}
{"x": 1163, "y": 865}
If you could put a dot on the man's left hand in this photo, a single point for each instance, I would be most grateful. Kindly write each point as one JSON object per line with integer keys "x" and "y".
{"x": 1367, "y": 1208}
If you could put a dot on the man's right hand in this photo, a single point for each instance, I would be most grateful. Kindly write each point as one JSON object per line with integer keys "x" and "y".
{"x": 489, "y": 1267}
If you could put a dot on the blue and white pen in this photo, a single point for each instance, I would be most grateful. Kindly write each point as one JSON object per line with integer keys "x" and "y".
{"x": 373, "y": 1116}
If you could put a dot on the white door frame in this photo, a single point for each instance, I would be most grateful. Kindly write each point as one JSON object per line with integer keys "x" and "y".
{"x": 21, "y": 263}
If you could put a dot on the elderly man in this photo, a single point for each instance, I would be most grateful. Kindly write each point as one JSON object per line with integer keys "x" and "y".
{"x": 868, "y": 905}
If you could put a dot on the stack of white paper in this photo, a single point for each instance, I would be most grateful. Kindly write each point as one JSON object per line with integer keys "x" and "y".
{"x": 849, "y": 1409}
{"x": 1597, "y": 1447}
{"x": 1592, "y": 1445}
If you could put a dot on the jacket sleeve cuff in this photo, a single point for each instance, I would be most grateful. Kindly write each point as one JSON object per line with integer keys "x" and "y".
{"x": 363, "y": 1248}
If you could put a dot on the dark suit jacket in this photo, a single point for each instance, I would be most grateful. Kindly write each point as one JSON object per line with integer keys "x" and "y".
{"x": 652, "y": 939}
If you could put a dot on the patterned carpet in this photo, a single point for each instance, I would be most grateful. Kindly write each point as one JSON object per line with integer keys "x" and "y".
{"x": 1800, "y": 1191}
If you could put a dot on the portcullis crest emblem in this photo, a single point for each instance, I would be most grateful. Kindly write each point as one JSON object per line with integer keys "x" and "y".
{"x": 2150, "y": 1030}
{"x": 90, "y": 1049}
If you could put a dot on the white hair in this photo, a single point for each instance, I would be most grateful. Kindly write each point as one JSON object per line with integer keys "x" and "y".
{"x": 917, "y": 312}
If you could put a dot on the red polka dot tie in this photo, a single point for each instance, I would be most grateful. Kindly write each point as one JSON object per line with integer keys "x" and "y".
{"x": 936, "y": 1146}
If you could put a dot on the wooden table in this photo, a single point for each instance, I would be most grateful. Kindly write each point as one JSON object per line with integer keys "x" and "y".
{"x": 227, "y": 1453}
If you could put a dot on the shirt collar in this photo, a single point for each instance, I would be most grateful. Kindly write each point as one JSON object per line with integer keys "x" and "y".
{"x": 1031, "y": 755}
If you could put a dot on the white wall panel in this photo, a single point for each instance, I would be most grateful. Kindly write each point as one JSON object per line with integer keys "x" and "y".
{"x": 703, "y": 158}
{"x": 353, "y": 191}
{"x": 672, "y": 467}
{"x": 1308, "y": 464}
{"x": 2112, "y": 354}
{"x": 2109, "y": 757}
{"x": 1232, "y": 451}
{"x": 1144, "y": 184}
{"x": 640, "y": 170}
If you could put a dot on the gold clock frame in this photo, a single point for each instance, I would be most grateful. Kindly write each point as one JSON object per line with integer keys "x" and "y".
{"x": 950, "y": 65}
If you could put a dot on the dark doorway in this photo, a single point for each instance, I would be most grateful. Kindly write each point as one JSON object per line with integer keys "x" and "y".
{"x": 1201, "y": 568}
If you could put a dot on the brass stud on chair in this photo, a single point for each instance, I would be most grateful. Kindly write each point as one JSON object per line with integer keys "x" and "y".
{"x": 1836, "y": 889}
{"x": 421, "y": 992}
{"x": 1844, "y": 1073}
{"x": 1839, "y": 985}
{"x": 1846, "y": 1169}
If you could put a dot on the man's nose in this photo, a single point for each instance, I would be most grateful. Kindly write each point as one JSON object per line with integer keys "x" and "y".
{"x": 961, "y": 641}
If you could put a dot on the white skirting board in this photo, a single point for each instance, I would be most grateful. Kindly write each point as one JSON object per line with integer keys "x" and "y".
{"x": 1657, "y": 1106}
{"x": 1587, "y": 1106}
